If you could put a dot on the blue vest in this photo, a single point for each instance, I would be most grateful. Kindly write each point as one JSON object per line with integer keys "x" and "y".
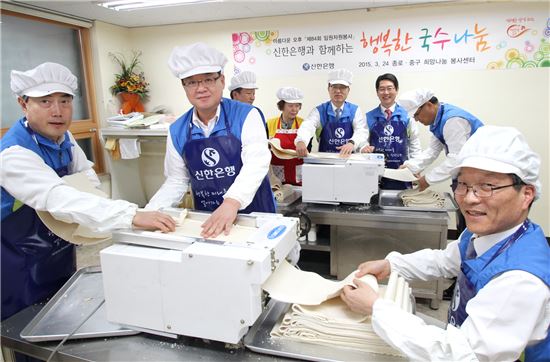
{"x": 35, "y": 262}
{"x": 527, "y": 250}
{"x": 335, "y": 133}
{"x": 214, "y": 162}
{"x": 390, "y": 138}
{"x": 447, "y": 111}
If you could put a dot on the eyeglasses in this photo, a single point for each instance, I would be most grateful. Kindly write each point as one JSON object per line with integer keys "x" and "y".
{"x": 388, "y": 89}
{"x": 207, "y": 82}
{"x": 480, "y": 190}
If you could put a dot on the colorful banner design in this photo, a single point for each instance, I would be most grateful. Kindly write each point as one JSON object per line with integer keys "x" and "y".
{"x": 500, "y": 37}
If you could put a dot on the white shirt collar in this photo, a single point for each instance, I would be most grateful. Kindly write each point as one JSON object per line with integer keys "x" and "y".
{"x": 484, "y": 243}
{"x": 391, "y": 108}
{"x": 334, "y": 108}
{"x": 206, "y": 128}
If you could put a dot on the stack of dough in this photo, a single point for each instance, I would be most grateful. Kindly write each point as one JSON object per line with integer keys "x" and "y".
{"x": 427, "y": 198}
{"x": 331, "y": 322}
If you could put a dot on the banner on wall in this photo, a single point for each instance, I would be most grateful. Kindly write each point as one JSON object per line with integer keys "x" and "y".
{"x": 497, "y": 37}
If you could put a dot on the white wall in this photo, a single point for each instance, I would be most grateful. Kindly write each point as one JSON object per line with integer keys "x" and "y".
{"x": 516, "y": 98}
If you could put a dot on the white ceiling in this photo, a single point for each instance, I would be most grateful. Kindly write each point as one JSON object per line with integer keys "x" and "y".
{"x": 223, "y": 10}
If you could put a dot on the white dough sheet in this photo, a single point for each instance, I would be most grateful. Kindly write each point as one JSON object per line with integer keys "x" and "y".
{"x": 192, "y": 228}
{"x": 291, "y": 285}
{"x": 317, "y": 317}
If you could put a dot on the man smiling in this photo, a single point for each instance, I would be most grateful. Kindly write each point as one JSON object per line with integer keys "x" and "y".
{"x": 36, "y": 152}
{"x": 219, "y": 146}
{"x": 501, "y": 304}
{"x": 342, "y": 124}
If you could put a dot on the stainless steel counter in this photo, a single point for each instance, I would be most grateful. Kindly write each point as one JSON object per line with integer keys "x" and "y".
{"x": 141, "y": 347}
{"x": 360, "y": 233}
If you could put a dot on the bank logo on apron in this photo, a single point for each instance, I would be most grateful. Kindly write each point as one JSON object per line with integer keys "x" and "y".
{"x": 388, "y": 130}
{"x": 339, "y": 132}
{"x": 210, "y": 157}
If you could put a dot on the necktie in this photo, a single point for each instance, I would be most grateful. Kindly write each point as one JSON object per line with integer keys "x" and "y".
{"x": 388, "y": 113}
{"x": 338, "y": 111}
{"x": 470, "y": 251}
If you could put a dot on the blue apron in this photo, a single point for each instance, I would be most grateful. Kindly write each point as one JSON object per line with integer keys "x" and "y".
{"x": 477, "y": 271}
{"x": 390, "y": 138}
{"x": 35, "y": 262}
{"x": 217, "y": 167}
{"x": 335, "y": 133}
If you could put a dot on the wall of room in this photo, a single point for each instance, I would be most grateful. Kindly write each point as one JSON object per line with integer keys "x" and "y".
{"x": 515, "y": 97}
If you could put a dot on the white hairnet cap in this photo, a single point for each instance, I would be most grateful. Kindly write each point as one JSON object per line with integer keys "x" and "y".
{"x": 45, "y": 79}
{"x": 411, "y": 100}
{"x": 340, "y": 76}
{"x": 246, "y": 79}
{"x": 290, "y": 95}
{"x": 502, "y": 150}
{"x": 197, "y": 58}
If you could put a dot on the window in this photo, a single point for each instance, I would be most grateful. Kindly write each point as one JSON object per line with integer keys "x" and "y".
{"x": 28, "y": 41}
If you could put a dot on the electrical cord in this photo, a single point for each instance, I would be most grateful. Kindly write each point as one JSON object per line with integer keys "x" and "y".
{"x": 56, "y": 349}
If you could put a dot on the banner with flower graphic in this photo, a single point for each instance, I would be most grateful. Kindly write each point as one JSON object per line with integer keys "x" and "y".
{"x": 499, "y": 36}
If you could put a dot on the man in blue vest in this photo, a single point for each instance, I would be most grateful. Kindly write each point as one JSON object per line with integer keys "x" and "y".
{"x": 243, "y": 87}
{"x": 219, "y": 146}
{"x": 501, "y": 304}
{"x": 391, "y": 132}
{"x": 342, "y": 124}
{"x": 450, "y": 127}
{"x": 36, "y": 152}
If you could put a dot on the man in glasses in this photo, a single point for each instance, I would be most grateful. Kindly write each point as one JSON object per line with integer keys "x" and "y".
{"x": 501, "y": 304}
{"x": 218, "y": 147}
{"x": 450, "y": 127}
{"x": 342, "y": 124}
{"x": 36, "y": 153}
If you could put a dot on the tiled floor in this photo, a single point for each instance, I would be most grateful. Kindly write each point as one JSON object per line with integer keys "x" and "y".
{"x": 89, "y": 256}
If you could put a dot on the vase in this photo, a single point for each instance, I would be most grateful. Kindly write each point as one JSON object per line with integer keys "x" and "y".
{"x": 131, "y": 102}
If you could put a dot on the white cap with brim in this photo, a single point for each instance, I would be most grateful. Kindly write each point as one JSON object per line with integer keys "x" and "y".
{"x": 197, "y": 58}
{"x": 290, "y": 95}
{"x": 45, "y": 79}
{"x": 340, "y": 76}
{"x": 502, "y": 150}
{"x": 411, "y": 100}
{"x": 246, "y": 80}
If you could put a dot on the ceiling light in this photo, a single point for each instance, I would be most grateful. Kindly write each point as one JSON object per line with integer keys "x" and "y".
{"x": 148, "y": 4}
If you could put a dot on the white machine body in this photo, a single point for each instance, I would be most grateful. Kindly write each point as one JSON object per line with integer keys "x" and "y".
{"x": 334, "y": 180}
{"x": 173, "y": 285}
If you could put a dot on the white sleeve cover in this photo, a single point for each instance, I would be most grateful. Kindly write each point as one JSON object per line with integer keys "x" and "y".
{"x": 456, "y": 132}
{"x": 29, "y": 179}
{"x": 308, "y": 127}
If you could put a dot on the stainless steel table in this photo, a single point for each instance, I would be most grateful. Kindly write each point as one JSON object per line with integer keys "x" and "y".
{"x": 141, "y": 347}
{"x": 359, "y": 233}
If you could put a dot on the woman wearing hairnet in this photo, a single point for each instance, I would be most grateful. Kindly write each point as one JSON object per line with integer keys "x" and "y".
{"x": 284, "y": 128}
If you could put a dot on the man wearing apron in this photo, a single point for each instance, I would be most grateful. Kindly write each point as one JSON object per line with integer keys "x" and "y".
{"x": 342, "y": 124}
{"x": 391, "y": 132}
{"x": 243, "y": 87}
{"x": 36, "y": 152}
{"x": 450, "y": 127}
{"x": 501, "y": 306}
{"x": 284, "y": 128}
{"x": 219, "y": 146}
